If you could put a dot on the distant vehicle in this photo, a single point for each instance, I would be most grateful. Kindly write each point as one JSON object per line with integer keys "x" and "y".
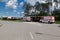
{"x": 9, "y": 17}
{"x": 47, "y": 19}
{"x": 27, "y": 18}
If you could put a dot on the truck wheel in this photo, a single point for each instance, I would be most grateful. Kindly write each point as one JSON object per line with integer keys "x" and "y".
{"x": 40, "y": 21}
{"x": 50, "y": 22}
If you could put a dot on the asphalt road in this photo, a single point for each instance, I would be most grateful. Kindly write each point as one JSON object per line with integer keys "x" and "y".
{"x": 28, "y": 31}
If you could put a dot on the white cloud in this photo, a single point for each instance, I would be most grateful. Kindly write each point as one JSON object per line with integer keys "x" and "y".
{"x": 21, "y": 4}
{"x": 14, "y": 7}
{"x": 12, "y": 4}
{"x": 3, "y": 0}
{"x": 22, "y": 12}
{"x": 32, "y": 2}
{"x": 42, "y": 1}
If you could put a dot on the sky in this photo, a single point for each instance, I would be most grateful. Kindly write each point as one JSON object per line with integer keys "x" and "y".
{"x": 14, "y": 7}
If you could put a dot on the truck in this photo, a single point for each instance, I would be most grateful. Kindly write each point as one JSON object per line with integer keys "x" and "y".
{"x": 27, "y": 18}
{"x": 42, "y": 19}
{"x": 47, "y": 19}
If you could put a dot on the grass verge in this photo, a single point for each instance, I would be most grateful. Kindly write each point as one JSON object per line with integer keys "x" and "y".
{"x": 18, "y": 21}
{"x": 14, "y": 20}
{"x": 57, "y": 22}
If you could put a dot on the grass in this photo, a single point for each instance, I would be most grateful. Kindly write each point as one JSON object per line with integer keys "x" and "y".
{"x": 18, "y": 21}
{"x": 57, "y": 22}
{"x": 0, "y": 18}
{"x": 13, "y": 20}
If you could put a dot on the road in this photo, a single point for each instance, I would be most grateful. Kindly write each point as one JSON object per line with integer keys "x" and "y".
{"x": 28, "y": 31}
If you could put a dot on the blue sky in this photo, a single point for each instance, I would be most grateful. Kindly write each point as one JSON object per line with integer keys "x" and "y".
{"x": 12, "y": 9}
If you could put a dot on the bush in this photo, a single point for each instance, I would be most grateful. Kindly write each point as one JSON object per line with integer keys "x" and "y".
{"x": 43, "y": 14}
{"x": 56, "y": 14}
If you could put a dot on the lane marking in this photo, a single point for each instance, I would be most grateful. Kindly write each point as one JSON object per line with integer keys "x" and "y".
{"x": 31, "y": 35}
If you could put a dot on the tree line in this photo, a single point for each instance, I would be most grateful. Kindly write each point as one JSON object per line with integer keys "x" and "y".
{"x": 43, "y": 10}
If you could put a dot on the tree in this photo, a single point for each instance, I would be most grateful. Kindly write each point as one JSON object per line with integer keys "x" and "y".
{"x": 56, "y": 14}
{"x": 37, "y": 6}
{"x": 42, "y": 14}
{"x": 28, "y": 7}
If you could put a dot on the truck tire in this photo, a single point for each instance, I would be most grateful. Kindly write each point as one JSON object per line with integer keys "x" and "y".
{"x": 50, "y": 22}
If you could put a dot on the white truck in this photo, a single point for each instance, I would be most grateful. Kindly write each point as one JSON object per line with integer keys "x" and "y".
{"x": 47, "y": 19}
{"x": 27, "y": 18}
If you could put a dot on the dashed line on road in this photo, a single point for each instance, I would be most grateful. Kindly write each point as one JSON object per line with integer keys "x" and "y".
{"x": 31, "y": 35}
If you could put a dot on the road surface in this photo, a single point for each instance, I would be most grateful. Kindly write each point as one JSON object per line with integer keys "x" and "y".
{"x": 28, "y": 31}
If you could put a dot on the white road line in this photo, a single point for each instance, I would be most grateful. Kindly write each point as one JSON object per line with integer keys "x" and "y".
{"x": 31, "y": 35}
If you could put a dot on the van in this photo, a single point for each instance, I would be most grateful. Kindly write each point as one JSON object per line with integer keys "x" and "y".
{"x": 47, "y": 19}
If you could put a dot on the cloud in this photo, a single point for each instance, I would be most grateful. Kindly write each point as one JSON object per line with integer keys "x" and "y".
{"x": 32, "y": 2}
{"x": 22, "y": 12}
{"x": 21, "y": 4}
{"x": 42, "y": 1}
{"x": 12, "y": 4}
{"x": 3, "y": 0}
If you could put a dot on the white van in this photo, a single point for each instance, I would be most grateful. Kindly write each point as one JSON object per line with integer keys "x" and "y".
{"x": 47, "y": 19}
